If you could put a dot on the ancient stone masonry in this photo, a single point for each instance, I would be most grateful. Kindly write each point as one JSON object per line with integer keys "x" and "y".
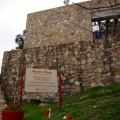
{"x": 61, "y": 39}
{"x": 67, "y": 23}
{"x": 105, "y": 9}
{"x": 58, "y": 25}
{"x": 83, "y": 65}
{"x": 104, "y": 4}
{"x": 2, "y": 102}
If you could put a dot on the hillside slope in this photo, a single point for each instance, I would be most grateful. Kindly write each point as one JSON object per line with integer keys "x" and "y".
{"x": 100, "y": 103}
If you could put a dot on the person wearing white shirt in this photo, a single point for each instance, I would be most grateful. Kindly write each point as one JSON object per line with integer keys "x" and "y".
{"x": 95, "y": 30}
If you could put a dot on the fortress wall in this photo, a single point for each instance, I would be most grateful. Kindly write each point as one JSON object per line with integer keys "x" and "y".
{"x": 58, "y": 25}
{"x": 83, "y": 65}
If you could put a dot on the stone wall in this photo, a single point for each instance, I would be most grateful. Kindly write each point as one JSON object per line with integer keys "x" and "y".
{"x": 103, "y": 9}
{"x": 2, "y": 102}
{"x": 61, "y": 39}
{"x": 83, "y": 65}
{"x": 104, "y": 5}
{"x": 58, "y": 25}
{"x": 64, "y": 24}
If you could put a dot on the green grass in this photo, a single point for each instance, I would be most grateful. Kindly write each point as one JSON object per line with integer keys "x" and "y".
{"x": 99, "y": 103}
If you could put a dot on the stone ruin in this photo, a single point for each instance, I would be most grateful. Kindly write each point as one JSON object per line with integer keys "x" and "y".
{"x": 61, "y": 39}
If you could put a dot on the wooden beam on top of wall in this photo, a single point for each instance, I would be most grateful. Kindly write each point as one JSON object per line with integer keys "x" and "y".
{"x": 105, "y": 13}
{"x": 103, "y": 18}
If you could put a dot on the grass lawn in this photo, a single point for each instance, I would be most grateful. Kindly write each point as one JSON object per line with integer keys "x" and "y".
{"x": 99, "y": 103}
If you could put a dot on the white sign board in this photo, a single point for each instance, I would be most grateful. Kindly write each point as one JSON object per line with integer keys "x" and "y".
{"x": 41, "y": 80}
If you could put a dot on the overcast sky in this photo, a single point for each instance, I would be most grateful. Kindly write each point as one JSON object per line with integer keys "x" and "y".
{"x": 13, "y": 14}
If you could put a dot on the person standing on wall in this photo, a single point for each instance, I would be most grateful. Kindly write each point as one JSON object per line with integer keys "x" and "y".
{"x": 95, "y": 29}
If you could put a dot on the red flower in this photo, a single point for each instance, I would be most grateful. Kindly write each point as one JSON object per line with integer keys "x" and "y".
{"x": 14, "y": 106}
{"x": 70, "y": 117}
{"x": 47, "y": 112}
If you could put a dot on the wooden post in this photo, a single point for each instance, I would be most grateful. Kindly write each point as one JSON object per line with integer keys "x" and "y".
{"x": 60, "y": 90}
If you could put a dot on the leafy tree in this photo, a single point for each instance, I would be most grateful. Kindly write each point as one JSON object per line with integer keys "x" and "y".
{"x": 20, "y": 40}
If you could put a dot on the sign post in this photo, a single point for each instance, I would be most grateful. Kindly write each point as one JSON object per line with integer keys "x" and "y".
{"x": 21, "y": 86}
{"x": 60, "y": 90}
{"x": 41, "y": 80}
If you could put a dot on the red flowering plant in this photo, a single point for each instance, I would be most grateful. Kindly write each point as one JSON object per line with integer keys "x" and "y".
{"x": 70, "y": 117}
{"x": 46, "y": 112}
{"x": 14, "y": 106}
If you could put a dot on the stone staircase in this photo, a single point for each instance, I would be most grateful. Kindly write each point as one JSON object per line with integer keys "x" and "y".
{"x": 2, "y": 102}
